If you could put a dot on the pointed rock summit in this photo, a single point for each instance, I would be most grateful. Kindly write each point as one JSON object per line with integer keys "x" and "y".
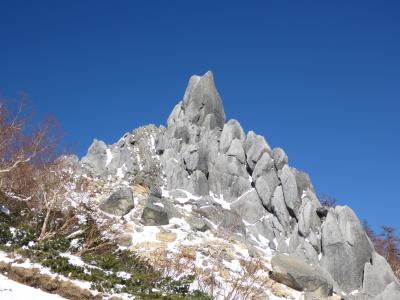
{"x": 239, "y": 185}
{"x": 201, "y": 103}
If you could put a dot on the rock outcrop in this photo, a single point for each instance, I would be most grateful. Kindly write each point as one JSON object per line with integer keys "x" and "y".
{"x": 241, "y": 186}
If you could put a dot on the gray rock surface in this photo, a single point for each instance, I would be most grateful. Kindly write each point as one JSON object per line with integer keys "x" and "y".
{"x": 377, "y": 275}
{"x": 201, "y": 98}
{"x": 345, "y": 248}
{"x": 272, "y": 204}
{"x": 289, "y": 186}
{"x": 391, "y": 292}
{"x": 249, "y": 207}
{"x": 299, "y": 275}
{"x": 119, "y": 203}
{"x": 232, "y": 130}
{"x": 255, "y": 145}
{"x": 280, "y": 158}
{"x": 158, "y": 211}
{"x": 266, "y": 185}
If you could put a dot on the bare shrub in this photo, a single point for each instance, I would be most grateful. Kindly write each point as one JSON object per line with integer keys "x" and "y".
{"x": 387, "y": 244}
{"x": 327, "y": 200}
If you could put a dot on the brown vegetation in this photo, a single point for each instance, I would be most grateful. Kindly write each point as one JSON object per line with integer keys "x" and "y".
{"x": 387, "y": 244}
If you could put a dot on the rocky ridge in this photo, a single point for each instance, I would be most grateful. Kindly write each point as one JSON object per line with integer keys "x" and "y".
{"x": 203, "y": 176}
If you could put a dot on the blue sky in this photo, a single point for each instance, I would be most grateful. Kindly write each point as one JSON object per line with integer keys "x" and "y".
{"x": 320, "y": 79}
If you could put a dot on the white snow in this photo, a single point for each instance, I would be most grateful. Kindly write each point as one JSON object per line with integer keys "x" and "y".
{"x": 11, "y": 290}
{"x": 220, "y": 200}
{"x": 109, "y": 156}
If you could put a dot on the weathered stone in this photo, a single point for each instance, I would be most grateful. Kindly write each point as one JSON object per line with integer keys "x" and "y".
{"x": 345, "y": 248}
{"x": 96, "y": 157}
{"x": 280, "y": 158}
{"x": 197, "y": 224}
{"x": 119, "y": 203}
{"x": 228, "y": 177}
{"x": 236, "y": 150}
{"x": 265, "y": 186}
{"x": 264, "y": 165}
{"x": 249, "y": 207}
{"x": 308, "y": 218}
{"x": 232, "y": 130}
{"x": 198, "y": 183}
{"x": 391, "y": 292}
{"x": 377, "y": 275}
{"x": 299, "y": 275}
{"x": 254, "y": 146}
{"x": 303, "y": 181}
{"x": 279, "y": 209}
{"x": 158, "y": 211}
{"x": 201, "y": 98}
{"x": 289, "y": 187}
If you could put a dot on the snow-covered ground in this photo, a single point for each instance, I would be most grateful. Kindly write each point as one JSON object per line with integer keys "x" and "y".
{"x": 11, "y": 290}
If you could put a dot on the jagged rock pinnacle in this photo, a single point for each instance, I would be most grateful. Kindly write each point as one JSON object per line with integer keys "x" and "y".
{"x": 201, "y": 102}
{"x": 244, "y": 187}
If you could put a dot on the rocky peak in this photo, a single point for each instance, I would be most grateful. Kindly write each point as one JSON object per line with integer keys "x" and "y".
{"x": 234, "y": 182}
{"x": 201, "y": 103}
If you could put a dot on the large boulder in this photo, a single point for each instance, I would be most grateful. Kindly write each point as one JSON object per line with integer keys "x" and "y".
{"x": 228, "y": 220}
{"x": 391, "y": 292}
{"x": 299, "y": 275}
{"x": 289, "y": 186}
{"x": 95, "y": 160}
{"x": 280, "y": 158}
{"x": 345, "y": 248}
{"x": 265, "y": 185}
{"x": 119, "y": 203}
{"x": 279, "y": 208}
{"x": 158, "y": 211}
{"x": 228, "y": 177}
{"x": 232, "y": 130}
{"x": 249, "y": 207}
{"x": 264, "y": 165}
{"x": 254, "y": 146}
{"x": 236, "y": 150}
{"x": 377, "y": 275}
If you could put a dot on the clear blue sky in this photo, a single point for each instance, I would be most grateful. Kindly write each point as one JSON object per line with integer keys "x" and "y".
{"x": 320, "y": 79}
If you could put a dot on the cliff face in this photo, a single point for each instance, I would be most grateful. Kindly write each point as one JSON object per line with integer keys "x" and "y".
{"x": 235, "y": 183}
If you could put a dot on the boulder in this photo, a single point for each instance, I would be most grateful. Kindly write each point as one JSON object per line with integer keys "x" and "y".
{"x": 303, "y": 181}
{"x": 299, "y": 275}
{"x": 265, "y": 186}
{"x": 197, "y": 224}
{"x": 232, "y": 130}
{"x": 228, "y": 177}
{"x": 96, "y": 158}
{"x": 279, "y": 209}
{"x": 249, "y": 207}
{"x": 198, "y": 183}
{"x": 289, "y": 186}
{"x": 345, "y": 248}
{"x": 391, "y": 292}
{"x": 119, "y": 203}
{"x": 254, "y": 146}
{"x": 236, "y": 150}
{"x": 158, "y": 211}
{"x": 264, "y": 165}
{"x": 308, "y": 218}
{"x": 377, "y": 275}
{"x": 280, "y": 158}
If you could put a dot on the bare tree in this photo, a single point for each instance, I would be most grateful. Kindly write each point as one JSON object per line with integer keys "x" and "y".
{"x": 24, "y": 148}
